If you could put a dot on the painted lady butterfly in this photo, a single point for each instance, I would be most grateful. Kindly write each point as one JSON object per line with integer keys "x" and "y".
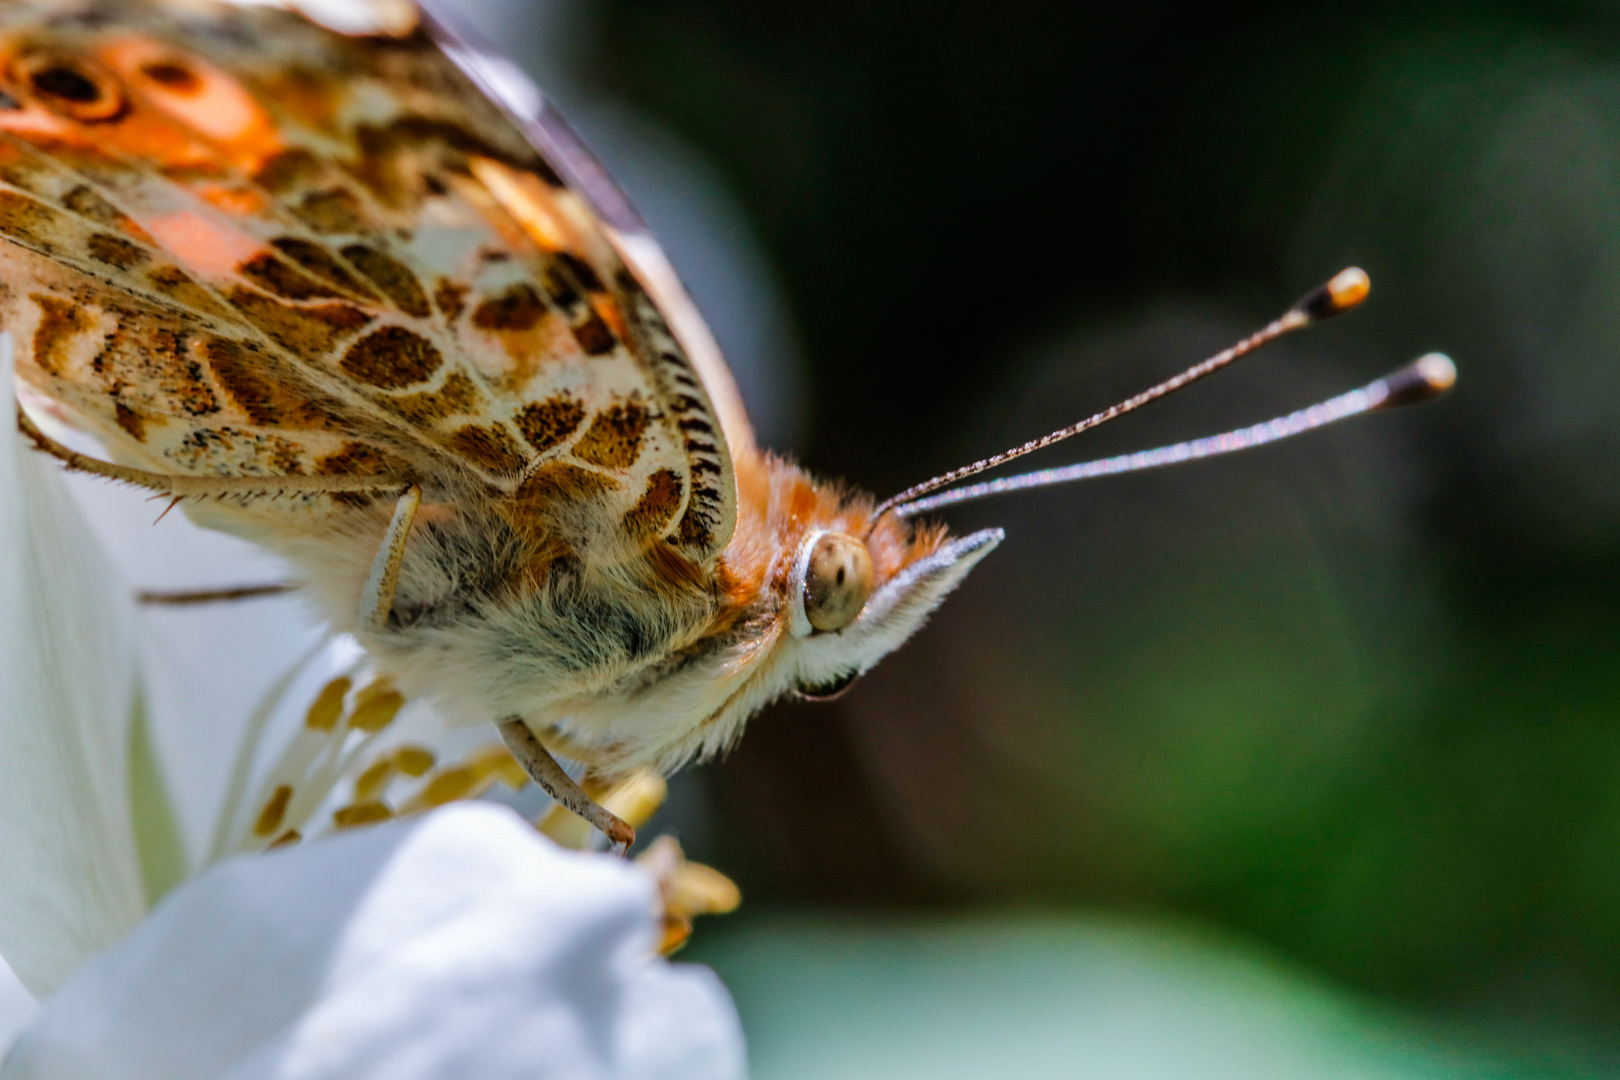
{"x": 364, "y": 299}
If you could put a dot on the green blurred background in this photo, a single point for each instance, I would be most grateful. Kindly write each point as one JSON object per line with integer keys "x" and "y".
{"x": 1353, "y": 701}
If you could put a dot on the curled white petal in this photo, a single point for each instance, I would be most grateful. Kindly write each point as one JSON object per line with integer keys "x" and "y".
{"x": 70, "y": 882}
{"x": 460, "y": 945}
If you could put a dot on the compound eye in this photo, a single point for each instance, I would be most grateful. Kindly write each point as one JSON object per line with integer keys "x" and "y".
{"x": 76, "y": 88}
{"x": 837, "y": 581}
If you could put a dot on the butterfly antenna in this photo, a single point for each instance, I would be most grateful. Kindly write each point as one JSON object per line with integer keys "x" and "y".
{"x": 1423, "y": 379}
{"x": 1344, "y": 291}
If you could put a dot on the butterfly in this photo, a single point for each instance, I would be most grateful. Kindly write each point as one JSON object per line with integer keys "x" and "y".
{"x": 360, "y": 296}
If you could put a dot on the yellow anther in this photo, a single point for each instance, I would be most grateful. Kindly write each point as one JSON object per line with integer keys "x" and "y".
{"x": 275, "y": 808}
{"x": 286, "y": 839}
{"x": 373, "y": 712}
{"x": 457, "y": 782}
{"x": 637, "y": 797}
{"x": 676, "y": 932}
{"x": 382, "y": 684}
{"x": 497, "y": 763}
{"x": 328, "y": 705}
{"x": 374, "y": 781}
{"x": 687, "y": 889}
{"x": 702, "y": 890}
{"x": 361, "y": 813}
{"x": 565, "y": 827}
{"x": 413, "y": 760}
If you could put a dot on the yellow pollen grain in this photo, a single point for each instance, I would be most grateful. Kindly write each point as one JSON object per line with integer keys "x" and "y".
{"x": 413, "y": 760}
{"x": 328, "y": 705}
{"x": 361, "y": 813}
{"x": 376, "y": 711}
{"x": 275, "y": 808}
{"x": 374, "y": 780}
{"x": 286, "y": 839}
{"x": 564, "y": 826}
{"x": 458, "y": 782}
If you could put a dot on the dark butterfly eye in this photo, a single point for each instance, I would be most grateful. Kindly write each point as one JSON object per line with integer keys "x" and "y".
{"x": 837, "y": 581}
{"x": 75, "y": 88}
{"x": 829, "y": 690}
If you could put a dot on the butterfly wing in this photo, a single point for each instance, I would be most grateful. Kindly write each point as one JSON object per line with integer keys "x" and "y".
{"x": 240, "y": 242}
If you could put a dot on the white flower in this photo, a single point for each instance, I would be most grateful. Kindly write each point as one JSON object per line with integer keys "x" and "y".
{"x": 459, "y": 946}
{"x": 93, "y": 833}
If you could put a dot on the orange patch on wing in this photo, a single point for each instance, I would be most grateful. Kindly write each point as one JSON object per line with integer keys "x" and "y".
{"x": 199, "y": 97}
{"x": 38, "y": 125}
{"x": 529, "y": 200}
{"x": 609, "y": 313}
{"x": 236, "y": 201}
{"x": 209, "y": 248}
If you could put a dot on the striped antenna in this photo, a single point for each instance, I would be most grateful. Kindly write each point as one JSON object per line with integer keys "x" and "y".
{"x": 1424, "y": 378}
{"x": 1344, "y": 291}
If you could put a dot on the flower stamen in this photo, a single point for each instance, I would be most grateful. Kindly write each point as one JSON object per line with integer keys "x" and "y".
{"x": 327, "y": 707}
{"x": 361, "y": 813}
{"x": 376, "y": 706}
{"x": 275, "y": 809}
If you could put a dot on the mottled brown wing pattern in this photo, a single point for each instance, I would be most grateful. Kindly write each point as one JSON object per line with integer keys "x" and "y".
{"x": 240, "y": 243}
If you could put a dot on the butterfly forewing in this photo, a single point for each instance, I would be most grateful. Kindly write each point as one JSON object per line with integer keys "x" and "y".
{"x": 337, "y": 255}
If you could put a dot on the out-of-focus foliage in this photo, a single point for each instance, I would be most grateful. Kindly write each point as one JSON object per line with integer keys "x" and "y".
{"x": 1356, "y": 697}
{"x": 1033, "y": 994}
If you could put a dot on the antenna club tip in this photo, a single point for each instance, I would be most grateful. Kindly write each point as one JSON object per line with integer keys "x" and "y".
{"x": 1437, "y": 370}
{"x": 1344, "y": 291}
{"x": 1423, "y": 379}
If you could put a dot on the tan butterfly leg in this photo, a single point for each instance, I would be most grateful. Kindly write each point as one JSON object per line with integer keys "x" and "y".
{"x": 377, "y": 595}
{"x": 376, "y": 604}
{"x": 202, "y": 487}
{"x": 181, "y": 597}
{"x": 537, "y": 761}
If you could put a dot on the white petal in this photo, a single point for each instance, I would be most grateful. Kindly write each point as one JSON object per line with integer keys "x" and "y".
{"x": 69, "y": 880}
{"x": 204, "y": 667}
{"x": 461, "y": 946}
{"x": 17, "y": 1008}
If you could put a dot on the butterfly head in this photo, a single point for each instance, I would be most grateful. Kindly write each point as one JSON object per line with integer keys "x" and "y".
{"x": 842, "y": 618}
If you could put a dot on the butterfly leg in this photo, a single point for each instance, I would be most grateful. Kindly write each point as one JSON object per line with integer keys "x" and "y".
{"x": 543, "y": 769}
{"x": 209, "y": 596}
{"x": 377, "y": 596}
{"x": 202, "y": 487}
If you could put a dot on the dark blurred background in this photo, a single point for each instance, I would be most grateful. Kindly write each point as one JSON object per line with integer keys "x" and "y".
{"x": 1354, "y": 697}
